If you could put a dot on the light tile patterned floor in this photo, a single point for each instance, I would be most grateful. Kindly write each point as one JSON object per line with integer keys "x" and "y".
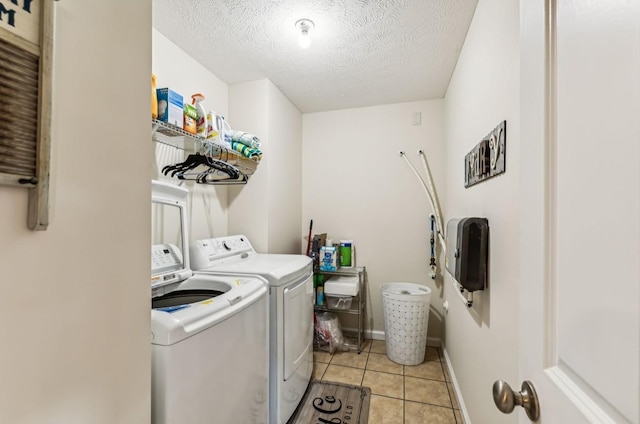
{"x": 400, "y": 394}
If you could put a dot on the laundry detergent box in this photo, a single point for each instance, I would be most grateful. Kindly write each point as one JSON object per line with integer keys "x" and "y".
{"x": 190, "y": 119}
{"x": 170, "y": 107}
{"x": 329, "y": 259}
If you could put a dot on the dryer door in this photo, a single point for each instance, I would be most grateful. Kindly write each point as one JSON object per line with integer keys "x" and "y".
{"x": 298, "y": 324}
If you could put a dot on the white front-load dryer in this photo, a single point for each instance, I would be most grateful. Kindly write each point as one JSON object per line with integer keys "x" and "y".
{"x": 290, "y": 280}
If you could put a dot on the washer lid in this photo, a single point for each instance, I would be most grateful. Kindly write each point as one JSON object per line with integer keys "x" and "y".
{"x": 277, "y": 269}
{"x": 171, "y": 325}
{"x": 170, "y": 241}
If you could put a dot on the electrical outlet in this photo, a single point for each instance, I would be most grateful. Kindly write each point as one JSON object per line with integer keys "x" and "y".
{"x": 417, "y": 118}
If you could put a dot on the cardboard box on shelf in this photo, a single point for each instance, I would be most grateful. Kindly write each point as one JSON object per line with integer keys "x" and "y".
{"x": 329, "y": 258}
{"x": 190, "y": 119}
{"x": 170, "y": 107}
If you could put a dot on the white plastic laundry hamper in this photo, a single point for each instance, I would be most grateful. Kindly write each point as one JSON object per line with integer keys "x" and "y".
{"x": 406, "y": 317}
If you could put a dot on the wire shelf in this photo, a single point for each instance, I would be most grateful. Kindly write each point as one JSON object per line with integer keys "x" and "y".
{"x": 171, "y": 135}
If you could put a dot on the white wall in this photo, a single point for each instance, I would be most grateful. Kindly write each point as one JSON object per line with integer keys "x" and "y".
{"x": 179, "y": 71}
{"x": 75, "y": 345}
{"x": 356, "y": 186}
{"x": 483, "y": 92}
{"x": 267, "y": 210}
{"x": 285, "y": 174}
{"x": 248, "y": 204}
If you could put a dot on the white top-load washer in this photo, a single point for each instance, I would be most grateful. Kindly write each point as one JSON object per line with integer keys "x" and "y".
{"x": 209, "y": 333}
{"x": 290, "y": 280}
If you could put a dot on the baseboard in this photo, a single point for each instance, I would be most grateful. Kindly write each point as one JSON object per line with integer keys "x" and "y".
{"x": 374, "y": 334}
{"x": 456, "y": 387}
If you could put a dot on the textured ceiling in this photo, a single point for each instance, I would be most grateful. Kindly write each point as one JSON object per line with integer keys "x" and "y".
{"x": 363, "y": 52}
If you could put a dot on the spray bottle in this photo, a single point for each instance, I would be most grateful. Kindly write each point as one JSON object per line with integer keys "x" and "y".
{"x": 196, "y": 101}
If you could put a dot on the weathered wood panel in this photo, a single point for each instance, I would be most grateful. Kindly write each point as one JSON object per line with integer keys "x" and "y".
{"x": 26, "y": 44}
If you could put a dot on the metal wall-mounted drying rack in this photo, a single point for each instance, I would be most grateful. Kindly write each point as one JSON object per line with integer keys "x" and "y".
{"x": 436, "y": 217}
{"x": 204, "y": 161}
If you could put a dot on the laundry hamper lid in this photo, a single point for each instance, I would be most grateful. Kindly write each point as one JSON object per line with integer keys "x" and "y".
{"x": 409, "y": 292}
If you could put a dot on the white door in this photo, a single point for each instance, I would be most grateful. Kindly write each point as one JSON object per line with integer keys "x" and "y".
{"x": 580, "y": 184}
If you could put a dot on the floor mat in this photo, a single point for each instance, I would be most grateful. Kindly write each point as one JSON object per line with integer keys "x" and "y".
{"x": 326, "y": 402}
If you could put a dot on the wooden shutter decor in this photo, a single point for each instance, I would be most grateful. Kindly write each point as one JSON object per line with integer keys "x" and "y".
{"x": 26, "y": 32}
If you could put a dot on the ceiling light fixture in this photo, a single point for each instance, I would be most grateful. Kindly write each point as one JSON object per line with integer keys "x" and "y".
{"x": 305, "y": 26}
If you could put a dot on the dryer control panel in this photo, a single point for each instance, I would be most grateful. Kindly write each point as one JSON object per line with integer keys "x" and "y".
{"x": 214, "y": 251}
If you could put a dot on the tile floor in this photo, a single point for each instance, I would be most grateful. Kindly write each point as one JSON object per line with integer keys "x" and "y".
{"x": 400, "y": 394}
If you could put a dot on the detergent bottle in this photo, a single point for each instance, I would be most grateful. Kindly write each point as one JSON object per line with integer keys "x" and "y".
{"x": 154, "y": 97}
{"x": 196, "y": 101}
{"x": 212, "y": 125}
{"x": 225, "y": 133}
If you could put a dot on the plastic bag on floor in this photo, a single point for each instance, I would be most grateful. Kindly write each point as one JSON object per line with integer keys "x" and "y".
{"x": 328, "y": 332}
